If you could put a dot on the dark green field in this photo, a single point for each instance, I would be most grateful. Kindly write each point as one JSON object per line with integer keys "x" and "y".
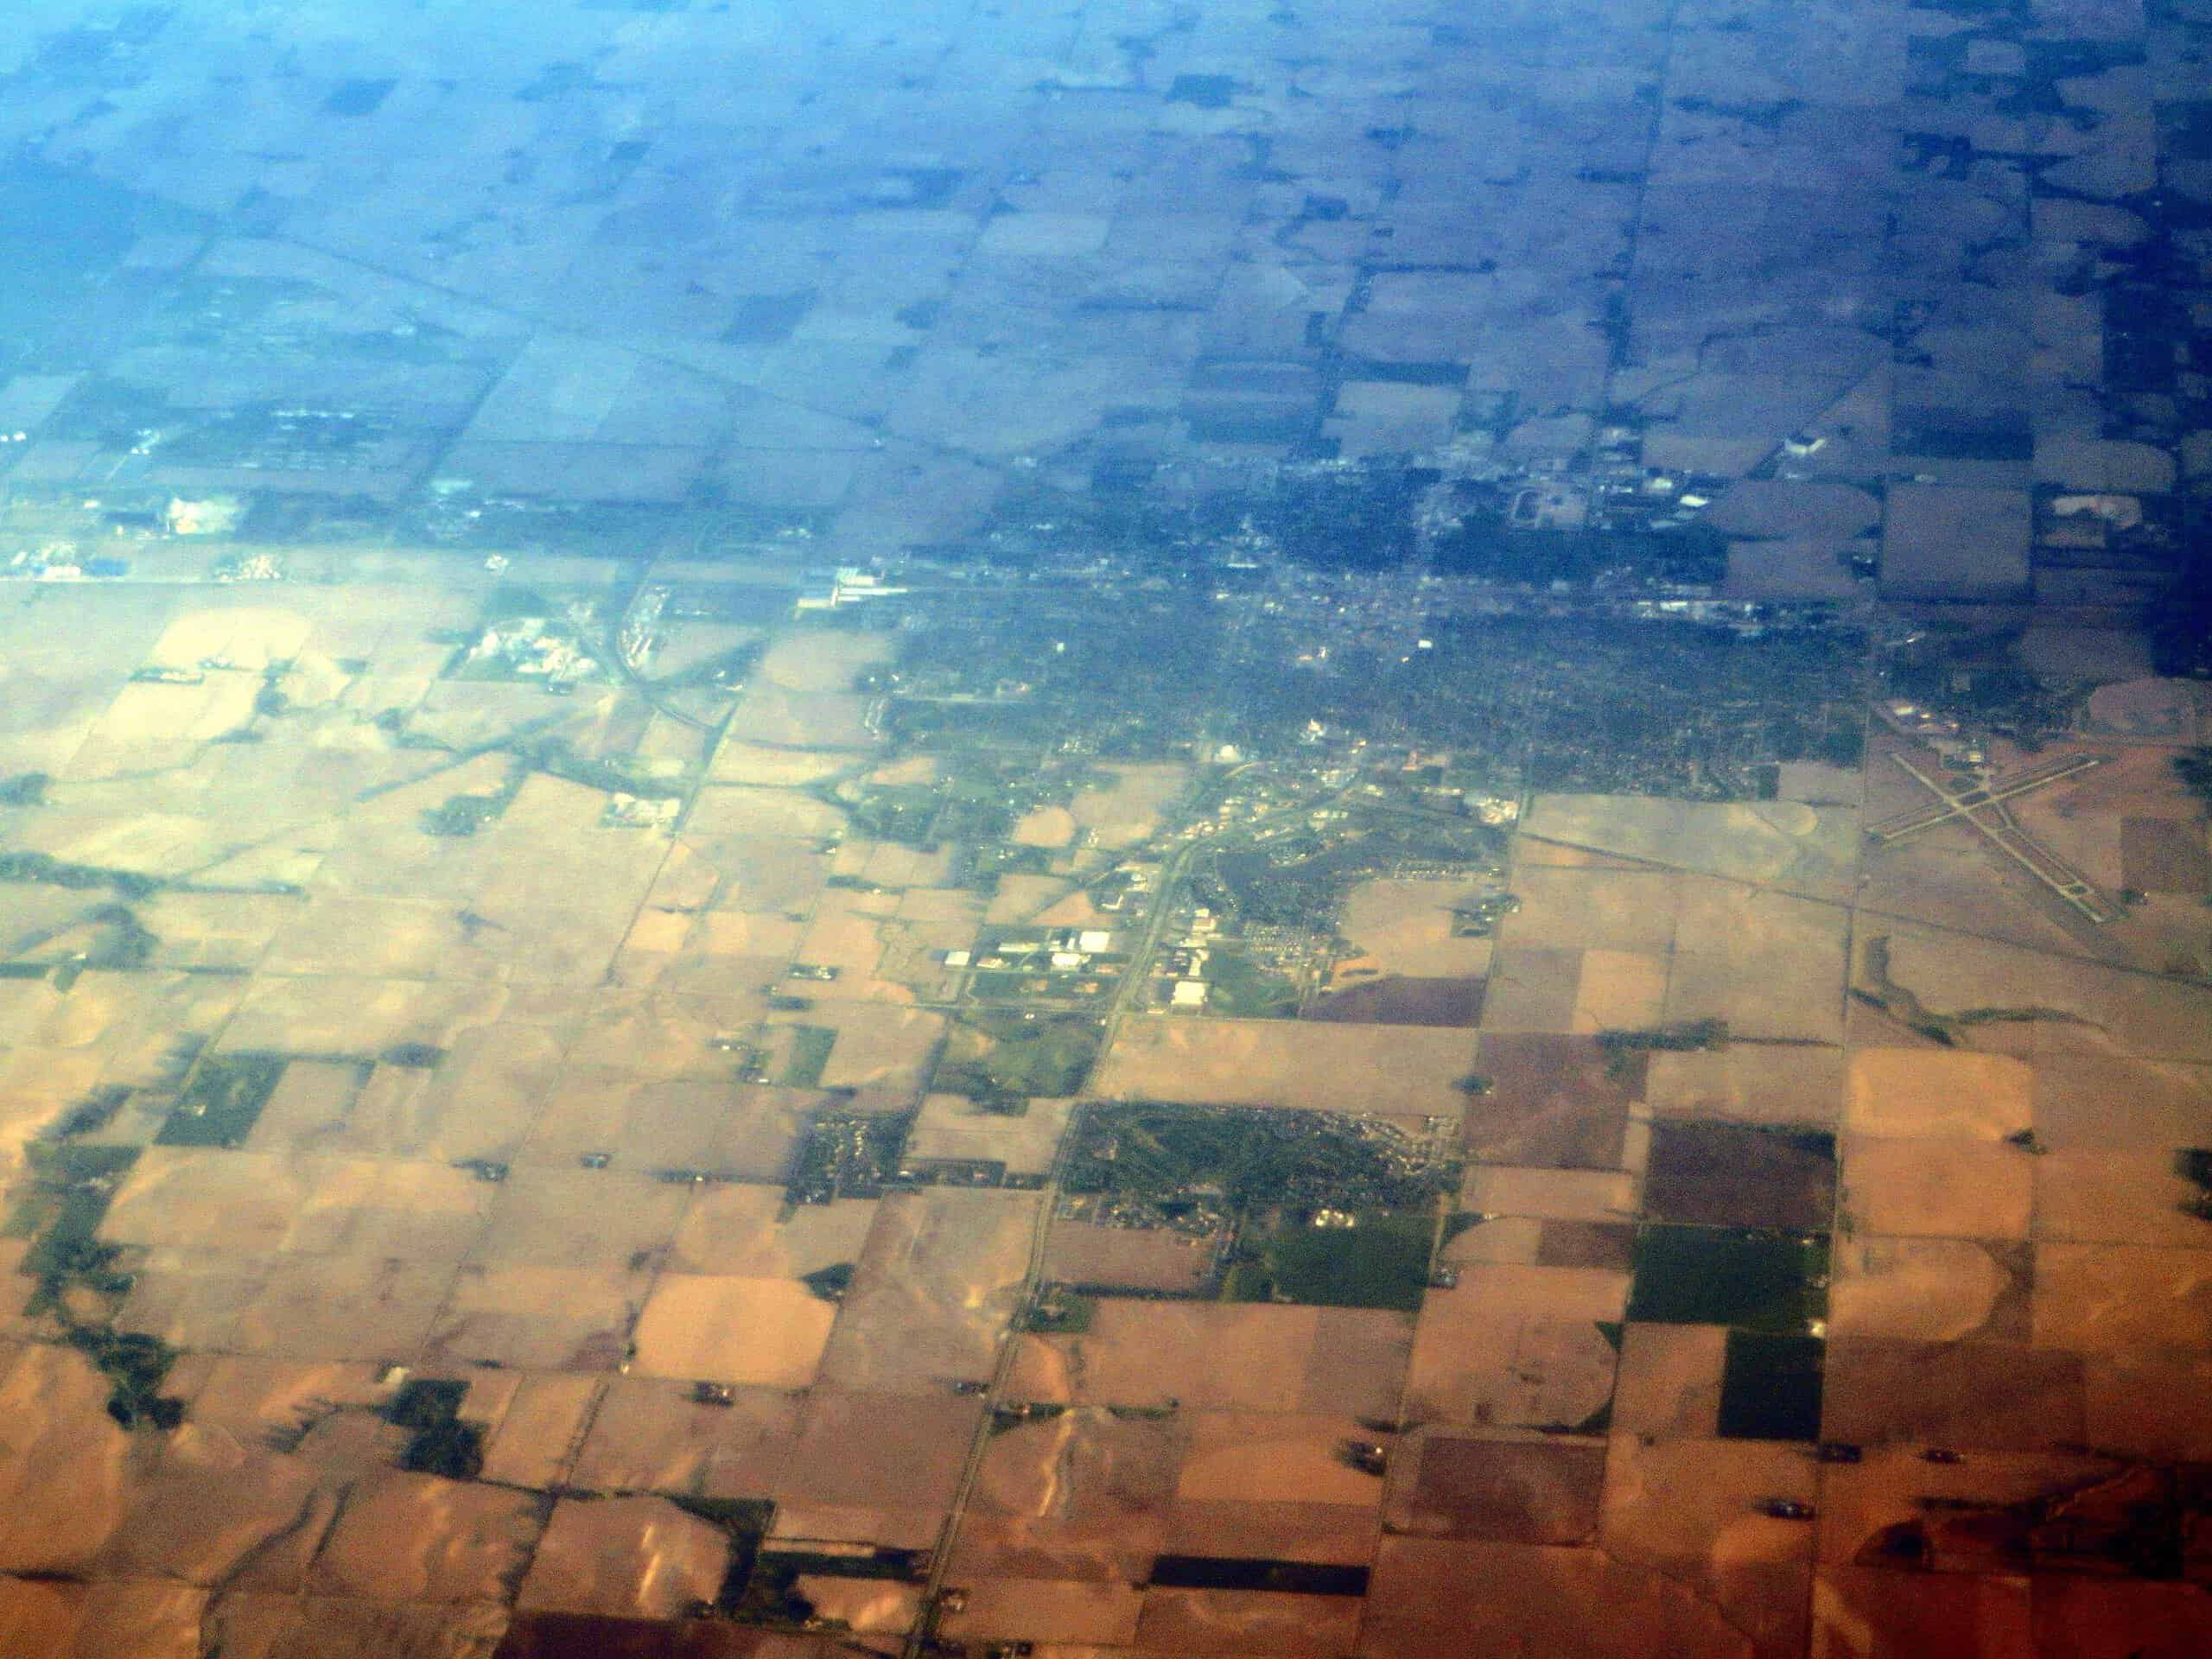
{"x": 1715, "y": 1275}
{"x": 1383, "y": 1261}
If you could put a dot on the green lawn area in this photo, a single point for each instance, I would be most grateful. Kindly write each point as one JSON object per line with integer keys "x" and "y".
{"x": 1036, "y": 1054}
{"x": 1242, "y": 990}
{"x": 811, "y": 1046}
{"x": 1383, "y": 1261}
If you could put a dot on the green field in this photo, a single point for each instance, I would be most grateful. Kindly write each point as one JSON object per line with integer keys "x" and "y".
{"x": 222, "y": 1102}
{"x": 1750, "y": 1281}
{"x": 1380, "y": 1262}
{"x": 1770, "y": 1387}
{"x": 1001, "y": 1054}
{"x": 811, "y": 1046}
{"x": 1242, "y": 990}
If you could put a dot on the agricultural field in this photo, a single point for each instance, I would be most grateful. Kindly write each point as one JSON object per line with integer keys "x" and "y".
{"x": 1144, "y": 832}
{"x": 1406, "y": 1071}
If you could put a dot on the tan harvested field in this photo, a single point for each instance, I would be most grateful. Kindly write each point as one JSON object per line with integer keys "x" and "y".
{"x": 953, "y": 1128}
{"x": 750, "y": 1231}
{"x": 1025, "y": 898}
{"x": 887, "y": 949}
{"x": 893, "y": 1452}
{"x": 204, "y": 931}
{"x": 1401, "y": 1070}
{"x": 806, "y": 1524}
{"x": 187, "y": 1306}
{"x": 1929, "y": 1289}
{"x": 670, "y": 749}
{"x": 186, "y": 1199}
{"x": 534, "y": 1440}
{"x": 2106, "y": 1298}
{"x": 63, "y": 1480}
{"x": 2116, "y": 1198}
{"x": 1405, "y": 926}
{"x": 775, "y": 766}
{"x": 1687, "y": 1509}
{"x": 1668, "y": 1386}
{"x": 935, "y": 1284}
{"x": 887, "y": 864}
{"x": 810, "y": 659}
{"x": 1250, "y": 1357}
{"x": 539, "y": 1319}
{"x": 1572, "y": 909}
{"x": 1770, "y": 963}
{"x": 1889, "y": 1487}
{"x": 724, "y": 811}
{"x": 406, "y": 1538}
{"x": 344, "y": 1014}
{"x": 1940, "y": 1187}
{"x": 1516, "y": 1344}
{"x": 1045, "y": 1547}
{"x": 1085, "y": 1487}
{"x": 1130, "y": 1258}
{"x": 578, "y": 1217}
{"x": 753, "y": 935}
{"x": 634, "y": 1557}
{"x": 657, "y": 1123}
{"x": 249, "y": 1397}
{"x": 649, "y": 1435}
{"x": 1591, "y": 1195}
{"x": 1044, "y": 826}
{"x": 1938, "y": 1094}
{"x": 847, "y": 933}
{"x": 703, "y": 970}
{"x": 1327, "y": 1534}
{"x": 907, "y": 770}
{"x": 882, "y": 1049}
{"x": 1240, "y": 1624}
{"x": 1437, "y": 1595}
{"x": 1081, "y": 1618}
{"x": 400, "y": 939}
{"x": 1127, "y": 810}
{"x": 2060, "y": 1007}
{"x": 769, "y": 875}
{"x": 177, "y": 1198}
{"x": 935, "y": 905}
{"x": 1785, "y": 845}
{"x": 2153, "y": 1409}
{"x": 778, "y": 715}
{"x": 308, "y": 1108}
{"x": 1619, "y": 990}
{"x": 341, "y": 1307}
{"x": 477, "y": 1104}
{"x": 1782, "y": 1084}
{"x": 1446, "y": 1484}
{"x": 1993, "y": 1395}
{"x": 768, "y": 1332}
{"x": 1532, "y": 988}
{"x": 1074, "y": 908}
{"x": 213, "y": 1510}
{"x": 1239, "y": 1457}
